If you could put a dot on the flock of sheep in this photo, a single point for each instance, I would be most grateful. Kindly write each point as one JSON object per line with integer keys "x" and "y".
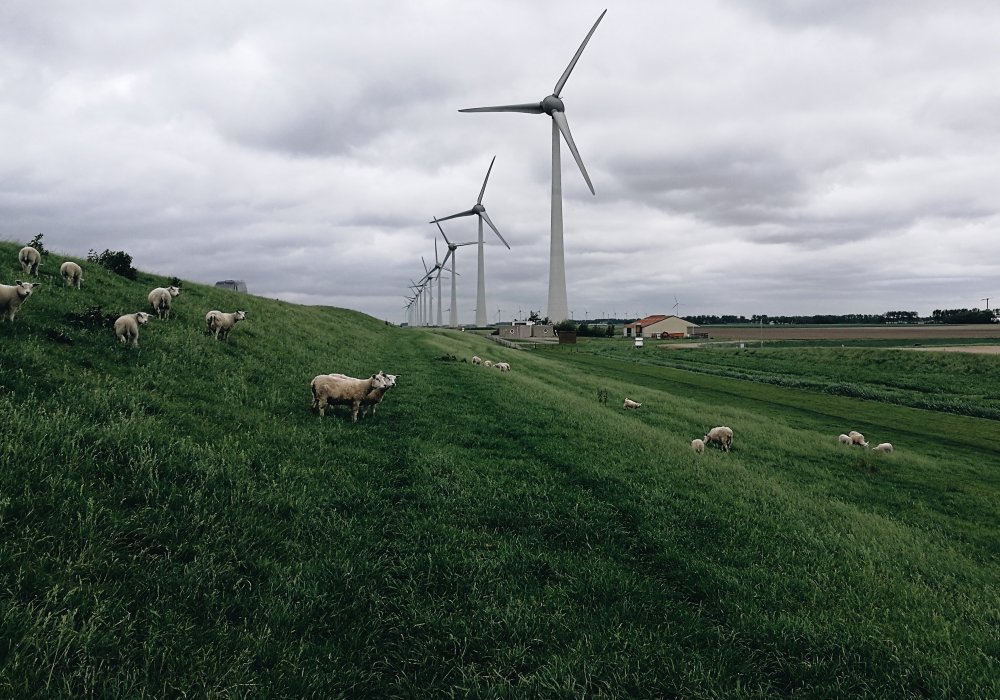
{"x": 502, "y": 366}
{"x": 856, "y": 438}
{"x": 127, "y": 326}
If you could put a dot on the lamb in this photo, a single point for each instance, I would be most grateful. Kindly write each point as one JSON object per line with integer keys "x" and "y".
{"x": 502, "y": 366}
{"x": 477, "y": 360}
{"x": 857, "y": 438}
{"x": 884, "y": 447}
{"x": 71, "y": 273}
{"x": 630, "y": 404}
{"x": 335, "y": 390}
{"x": 220, "y": 323}
{"x": 160, "y": 298}
{"x": 698, "y": 445}
{"x": 12, "y": 296}
{"x": 30, "y": 259}
{"x": 487, "y": 363}
{"x": 127, "y": 327}
{"x": 844, "y": 439}
{"x": 375, "y": 396}
{"x": 721, "y": 435}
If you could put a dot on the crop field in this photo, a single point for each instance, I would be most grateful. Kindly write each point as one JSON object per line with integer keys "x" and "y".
{"x": 174, "y": 521}
{"x": 902, "y": 334}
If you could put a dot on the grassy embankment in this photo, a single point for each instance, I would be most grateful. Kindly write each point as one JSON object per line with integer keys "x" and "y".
{"x": 174, "y": 520}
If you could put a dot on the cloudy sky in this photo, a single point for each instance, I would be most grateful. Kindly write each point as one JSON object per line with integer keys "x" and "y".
{"x": 749, "y": 156}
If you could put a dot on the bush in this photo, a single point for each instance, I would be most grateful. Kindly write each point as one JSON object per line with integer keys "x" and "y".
{"x": 36, "y": 243}
{"x": 118, "y": 261}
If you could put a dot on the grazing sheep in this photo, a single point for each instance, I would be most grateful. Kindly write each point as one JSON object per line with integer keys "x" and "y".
{"x": 502, "y": 366}
{"x": 127, "y": 327}
{"x": 629, "y": 403}
{"x": 220, "y": 323}
{"x": 477, "y": 360}
{"x": 487, "y": 363}
{"x": 335, "y": 390}
{"x": 160, "y": 298}
{"x": 857, "y": 438}
{"x": 375, "y": 396}
{"x": 844, "y": 439}
{"x": 12, "y": 296}
{"x": 721, "y": 435}
{"x": 30, "y": 259}
{"x": 71, "y": 273}
{"x": 885, "y": 447}
{"x": 698, "y": 445}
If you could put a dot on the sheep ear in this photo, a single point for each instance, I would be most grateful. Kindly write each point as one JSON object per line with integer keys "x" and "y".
{"x": 18, "y": 282}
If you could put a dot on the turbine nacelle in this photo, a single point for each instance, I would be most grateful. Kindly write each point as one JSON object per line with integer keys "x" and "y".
{"x": 552, "y": 104}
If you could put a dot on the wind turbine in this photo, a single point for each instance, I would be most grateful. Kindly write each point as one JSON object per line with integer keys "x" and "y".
{"x": 452, "y": 247}
{"x": 676, "y": 305}
{"x": 558, "y": 307}
{"x": 480, "y": 211}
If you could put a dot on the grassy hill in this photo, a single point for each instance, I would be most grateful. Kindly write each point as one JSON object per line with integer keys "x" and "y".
{"x": 174, "y": 520}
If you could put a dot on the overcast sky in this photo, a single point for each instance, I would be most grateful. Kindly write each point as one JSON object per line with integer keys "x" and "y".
{"x": 749, "y": 156}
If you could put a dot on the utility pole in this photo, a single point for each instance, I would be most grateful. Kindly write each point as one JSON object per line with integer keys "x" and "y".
{"x": 987, "y": 300}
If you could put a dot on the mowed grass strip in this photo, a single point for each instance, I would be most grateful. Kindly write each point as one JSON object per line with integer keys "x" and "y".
{"x": 176, "y": 521}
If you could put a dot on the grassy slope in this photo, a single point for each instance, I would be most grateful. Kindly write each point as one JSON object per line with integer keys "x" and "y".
{"x": 174, "y": 520}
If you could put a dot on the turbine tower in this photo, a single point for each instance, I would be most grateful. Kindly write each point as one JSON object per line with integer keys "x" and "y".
{"x": 480, "y": 211}
{"x": 452, "y": 247}
{"x": 558, "y": 306}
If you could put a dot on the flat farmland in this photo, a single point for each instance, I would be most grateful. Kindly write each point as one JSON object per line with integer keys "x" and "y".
{"x": 900, "y": 333}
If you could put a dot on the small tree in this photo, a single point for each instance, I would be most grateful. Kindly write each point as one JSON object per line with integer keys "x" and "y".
{"x": 118, "y": 261}
{"x": 36, "y": 243}
{"x": 611, "y": 331}
{"x": 566, "y": 325}
{"x": 534, "y": 317}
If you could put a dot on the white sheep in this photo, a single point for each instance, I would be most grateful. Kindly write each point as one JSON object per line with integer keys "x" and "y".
{"x": 30, "y": 259}
{"x": 160, "y": 298}
{"x": 698, "y": 445}
{"x": 630, "y": 404}
{"x": 885, "y": 447}
{"x": 844, "y": 439}
{"x": 335, "y": 390}
{"x": 71, "y": 273}
{"x": 127, "y": 327}
{"x": 502, "y": 366}
{"x": 220, "y": 323}
{"x": 487, "y": 363}
{"x": 477, "y": 360}
{"x": 857, "y": 438}
{"x": 721, "y": 435}
{"x": 375, "y": 396}
{"x": 12, "y": 296}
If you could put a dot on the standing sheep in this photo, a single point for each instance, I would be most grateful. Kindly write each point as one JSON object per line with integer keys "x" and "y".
{"x": 336, "y": 390}
{"x": 160, "y": 299}
{"x": 477, "y": 360}
{"x": 375, "y": 396}
{"x": 721, "y": 435}
{"x": 220, "y": 323}
{"x": 30, "y": 259}
{"x": 857, "y": 438}
{"x": 630, "y": 404}
{"x": 698, "y": 445}
{"x": 127, "y": 327}
{"x": 502, "y": 366}
{"x": 71, "y": 273}
{"x": 11, "y": 297}
{"x": 844, "y": 439}
{"x": 884, "y": 447}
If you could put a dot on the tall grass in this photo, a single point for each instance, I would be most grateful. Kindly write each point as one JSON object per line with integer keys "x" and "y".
{"x": 175, "y": 521}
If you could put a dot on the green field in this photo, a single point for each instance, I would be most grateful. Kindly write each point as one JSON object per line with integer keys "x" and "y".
{"x": 175, "y": 521}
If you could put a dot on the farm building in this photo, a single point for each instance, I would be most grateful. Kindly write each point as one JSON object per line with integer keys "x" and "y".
{"x": 660, "y": 326}
{"x": 235, "y": 285}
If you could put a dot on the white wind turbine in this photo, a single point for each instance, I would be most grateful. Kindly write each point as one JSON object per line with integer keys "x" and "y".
{"x": 452, "y": 247}
{"x": 558, "y": 306}
{"x": 480, "y": 211}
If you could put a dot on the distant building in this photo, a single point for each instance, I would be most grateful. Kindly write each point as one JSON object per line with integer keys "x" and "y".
{"x": 528, "y": 330}
{"x": 660, "y": 326}
{"x": 235, "y": 285}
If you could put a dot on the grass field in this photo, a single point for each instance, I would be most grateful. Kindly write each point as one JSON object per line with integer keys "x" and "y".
{"x": 175, "y": 521}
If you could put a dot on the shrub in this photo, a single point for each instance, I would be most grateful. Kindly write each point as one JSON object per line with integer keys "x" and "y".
{"x": 118, "y": 261}
{"x": 36, "y": 243}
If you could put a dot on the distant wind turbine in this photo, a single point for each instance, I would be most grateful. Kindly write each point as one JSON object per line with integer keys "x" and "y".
{"x": 452, "y": 247}
{"x": 480, "y": 211}
{"x": 558, "y": 306}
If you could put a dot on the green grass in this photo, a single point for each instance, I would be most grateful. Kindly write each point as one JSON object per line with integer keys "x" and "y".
{"x": 175, "y": 521}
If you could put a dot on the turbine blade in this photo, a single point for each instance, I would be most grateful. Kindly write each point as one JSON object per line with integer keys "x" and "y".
{"x": 560, "y": 119}
{"x": 486, "y": 218}
{"x": 572, "y": 64}
{"x": 483, "y": 191}
{"x": 446, "y": 256}
{"x": 436, "y": 260}
{"x": 422, "y": 262}
{"x": 532, "y": 108}
{"x": 442, "y": 231}
{"x": 454, "y": 216}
